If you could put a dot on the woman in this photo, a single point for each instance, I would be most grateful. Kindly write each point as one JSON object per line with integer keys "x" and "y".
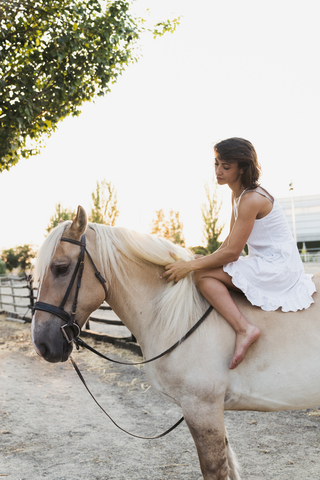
{"x": 272, "y": 275}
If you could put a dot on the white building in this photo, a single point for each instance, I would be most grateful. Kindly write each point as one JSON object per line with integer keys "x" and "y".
{"x": 304, "y": 214}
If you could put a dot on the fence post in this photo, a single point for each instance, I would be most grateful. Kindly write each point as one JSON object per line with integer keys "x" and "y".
{"x": 0, "y": 293}
{"x": 12, "y": 292}
{"x": 29, "y": 279}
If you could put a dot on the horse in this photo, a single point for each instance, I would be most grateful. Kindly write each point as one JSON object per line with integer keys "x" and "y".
{"x": 279, "y": 372}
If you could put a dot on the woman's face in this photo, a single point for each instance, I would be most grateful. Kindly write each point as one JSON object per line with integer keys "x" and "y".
{"x": 227, "y": 173}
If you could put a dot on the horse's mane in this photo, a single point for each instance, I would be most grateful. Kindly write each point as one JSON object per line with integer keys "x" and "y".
{"x": 48, "y": 248}
{"x": 178, "y": 306}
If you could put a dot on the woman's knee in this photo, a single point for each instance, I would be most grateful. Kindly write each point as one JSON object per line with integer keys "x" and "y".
{"x": 198, "y": 277}
{"x": 209, "y": 278}
{"x": 205, "y": 282}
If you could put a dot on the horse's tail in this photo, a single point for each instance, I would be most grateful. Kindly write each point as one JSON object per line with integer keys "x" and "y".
{"x": 232, "y": 461}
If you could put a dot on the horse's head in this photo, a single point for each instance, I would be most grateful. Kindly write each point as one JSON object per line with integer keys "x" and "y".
{"x": 59, "y": 289}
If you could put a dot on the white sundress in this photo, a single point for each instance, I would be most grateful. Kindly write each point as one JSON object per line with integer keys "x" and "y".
{"x": 272, "y": 275}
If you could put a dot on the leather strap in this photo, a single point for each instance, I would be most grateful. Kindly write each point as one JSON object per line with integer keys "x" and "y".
{"x": 46, "y": 307}
{"x": 69, "y": 318}
{"x": 81, "y": 343}
{"x": 82, "y": 243}
{"x": 110, "y": 418}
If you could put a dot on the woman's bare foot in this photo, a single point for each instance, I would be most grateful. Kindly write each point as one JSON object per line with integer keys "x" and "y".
{"x": 243, "y": 341}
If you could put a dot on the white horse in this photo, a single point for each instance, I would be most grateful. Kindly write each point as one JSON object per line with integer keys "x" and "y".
{"x": 279, "y": 372}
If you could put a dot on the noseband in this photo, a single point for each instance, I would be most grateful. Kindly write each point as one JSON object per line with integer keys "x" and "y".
{"x": 77, "y": 273}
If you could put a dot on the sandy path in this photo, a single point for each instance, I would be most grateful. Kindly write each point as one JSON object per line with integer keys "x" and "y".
{"x": 51, "y": 429}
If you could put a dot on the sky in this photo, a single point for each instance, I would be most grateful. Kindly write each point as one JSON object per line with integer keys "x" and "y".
{"x": 248, "y": 69}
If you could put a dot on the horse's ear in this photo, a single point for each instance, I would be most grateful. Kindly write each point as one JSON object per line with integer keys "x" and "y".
{"x": 78, "y": 226}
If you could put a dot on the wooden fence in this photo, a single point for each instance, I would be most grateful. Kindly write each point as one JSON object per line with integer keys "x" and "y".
{"x": 17, "y": 297}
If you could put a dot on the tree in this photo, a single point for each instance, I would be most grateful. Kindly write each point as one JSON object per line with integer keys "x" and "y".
{"x": 158, "y": 223}
{"x": 61, "y": 215}
{"x": 25, "y": 254}
{"x": 105, "y": 204}
{"x": 170, "y": 228}
{"x": 55, "y": 55}
{"x": 18, "y": 257}
{"x": 10, "y": 259}
{"x": 210, "y": 212}
{"x": 2, "y": 268}
{"x": 211, "y": 232}
{"x": 175, "y": 230}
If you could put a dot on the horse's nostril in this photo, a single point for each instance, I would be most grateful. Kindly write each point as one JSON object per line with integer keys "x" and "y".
{"x": 43, "y": 350}
{"x": 54, "y": 355}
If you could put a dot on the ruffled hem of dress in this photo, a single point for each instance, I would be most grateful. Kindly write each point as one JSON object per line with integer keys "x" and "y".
{"x": 300, "y": 296}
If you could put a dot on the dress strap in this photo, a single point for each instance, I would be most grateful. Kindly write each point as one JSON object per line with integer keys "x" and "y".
{"x": 264, "y": 193}
{"x": 236, "y": 202}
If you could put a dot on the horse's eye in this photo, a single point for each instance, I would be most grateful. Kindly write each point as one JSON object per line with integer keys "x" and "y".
{"x": 61, "y": 269}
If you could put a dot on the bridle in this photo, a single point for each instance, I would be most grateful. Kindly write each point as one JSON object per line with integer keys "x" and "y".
{"x": 69, "y": 318}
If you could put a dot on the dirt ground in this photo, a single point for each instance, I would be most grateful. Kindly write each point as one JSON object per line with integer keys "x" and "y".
{"x": 51, "y": 429}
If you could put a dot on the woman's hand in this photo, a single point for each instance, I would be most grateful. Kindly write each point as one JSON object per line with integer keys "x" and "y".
{"x": 176, "y": 271}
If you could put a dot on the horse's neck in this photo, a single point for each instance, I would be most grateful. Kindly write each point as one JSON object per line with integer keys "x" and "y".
{"x": 133, "y": 299}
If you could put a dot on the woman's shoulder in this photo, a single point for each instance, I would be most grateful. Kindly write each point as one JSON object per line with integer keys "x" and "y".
{"x": 261, "y": 191}
{"x": 250, "y": 205}
{"x": 258, "y": 201}
{"x": 248, "y": 199}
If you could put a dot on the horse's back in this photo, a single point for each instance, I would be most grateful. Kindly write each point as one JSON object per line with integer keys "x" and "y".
{"x": 280, "y": 370}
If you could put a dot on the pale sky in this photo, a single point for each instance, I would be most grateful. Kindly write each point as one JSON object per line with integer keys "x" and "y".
{"x": 247, "y": 69}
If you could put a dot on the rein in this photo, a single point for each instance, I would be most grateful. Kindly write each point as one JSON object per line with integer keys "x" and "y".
{"x": 81, "y": 343}
{"x": 110, "y": 418}
{"x": 71, "y": 323}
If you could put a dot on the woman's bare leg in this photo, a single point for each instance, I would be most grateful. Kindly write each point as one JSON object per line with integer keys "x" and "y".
{"x": 214, "y": 284}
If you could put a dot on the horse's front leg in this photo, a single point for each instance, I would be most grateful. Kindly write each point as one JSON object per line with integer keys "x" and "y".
{"x": 206, "y": 424}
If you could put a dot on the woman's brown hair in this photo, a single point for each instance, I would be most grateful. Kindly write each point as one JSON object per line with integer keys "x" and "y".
{"x": 241, "y": 151}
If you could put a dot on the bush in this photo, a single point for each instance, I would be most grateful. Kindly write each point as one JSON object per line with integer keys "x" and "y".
{"x": 3, "y": 269}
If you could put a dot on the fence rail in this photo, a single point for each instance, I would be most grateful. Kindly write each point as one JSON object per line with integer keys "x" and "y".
{"x": 18, "y": 305}
{"x": 309, "y": 257}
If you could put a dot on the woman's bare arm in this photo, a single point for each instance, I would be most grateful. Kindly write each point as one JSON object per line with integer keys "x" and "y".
{"x": 232, "y": 247}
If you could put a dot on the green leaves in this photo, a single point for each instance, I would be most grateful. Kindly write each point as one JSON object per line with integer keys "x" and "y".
{"x": 60, "y": 215}
{"x": 162, "y": 27}
{"x": 18, "y": 257}
{"x": 55, "y": 55}
{"x": 210, "y": 211}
